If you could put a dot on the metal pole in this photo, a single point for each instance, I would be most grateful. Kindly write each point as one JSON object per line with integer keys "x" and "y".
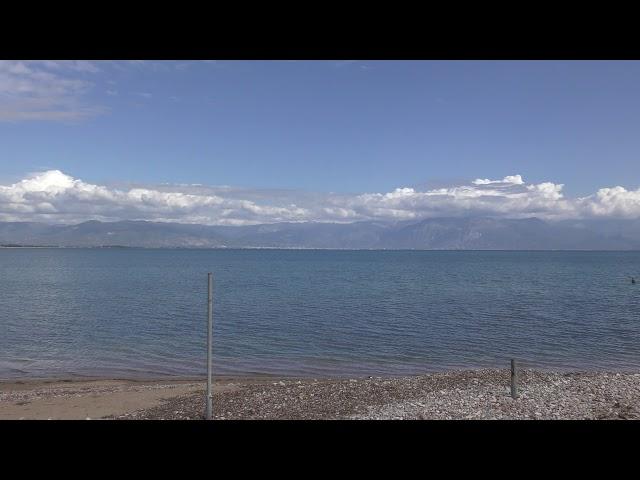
{"x": 514, "y": 379}
{"x": 209, "y": 342}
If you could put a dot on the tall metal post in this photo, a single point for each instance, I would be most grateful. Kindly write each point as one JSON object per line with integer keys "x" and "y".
{"x": 209, "y": 346}
{"x": 514, "y": 379}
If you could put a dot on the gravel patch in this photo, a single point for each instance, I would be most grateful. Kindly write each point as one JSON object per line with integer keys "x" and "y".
{"x": 477, "y": 394}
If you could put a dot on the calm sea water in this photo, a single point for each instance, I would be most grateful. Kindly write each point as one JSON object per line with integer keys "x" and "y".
{"x": 142, "y": 313}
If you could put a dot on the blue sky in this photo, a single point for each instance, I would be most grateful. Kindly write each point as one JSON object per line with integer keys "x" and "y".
{"x": 348, "y": 127}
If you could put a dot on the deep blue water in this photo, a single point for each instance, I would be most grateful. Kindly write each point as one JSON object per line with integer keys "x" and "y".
{"x": 142, "y": 313}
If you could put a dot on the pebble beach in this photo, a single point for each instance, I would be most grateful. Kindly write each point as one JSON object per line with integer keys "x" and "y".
{"x": 454, "y": 395}
{"x": 482, "y": 394}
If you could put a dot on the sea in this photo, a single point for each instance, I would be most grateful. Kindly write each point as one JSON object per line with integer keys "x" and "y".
{"x": 142, "y": 313}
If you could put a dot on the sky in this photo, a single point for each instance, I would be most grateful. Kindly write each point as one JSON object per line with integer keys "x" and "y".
{"x": 245, "y": 142}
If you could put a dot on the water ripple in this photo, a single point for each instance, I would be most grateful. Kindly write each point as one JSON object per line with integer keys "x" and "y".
{"x": 91, "y": 312}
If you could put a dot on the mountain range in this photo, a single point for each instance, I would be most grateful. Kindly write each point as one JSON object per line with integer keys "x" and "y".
{"x": 431, "y": 234}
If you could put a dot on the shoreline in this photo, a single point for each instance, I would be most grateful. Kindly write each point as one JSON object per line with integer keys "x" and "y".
{"x": 456, "y": 394}
{"x": 253, "y": 376}
{"x": 15, "y": 384}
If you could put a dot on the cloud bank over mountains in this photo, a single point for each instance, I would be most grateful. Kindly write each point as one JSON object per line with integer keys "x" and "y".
{"x": 55, "y": 197}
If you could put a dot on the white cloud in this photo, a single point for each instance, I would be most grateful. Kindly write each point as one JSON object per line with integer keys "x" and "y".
{"x": 509, "y": 179}
{"x": 612, "y": 202}
{"x": 54, "y": 196}
{"x": 76, "y": 65}
{"x": 45, "y": 90}
{"x": 507, "y": 197}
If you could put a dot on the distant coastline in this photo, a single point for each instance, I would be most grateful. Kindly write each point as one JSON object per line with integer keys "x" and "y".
{"x": 29, "y": 246}
{"x": 139, "y": 247}
{"x": 446, "y": 233}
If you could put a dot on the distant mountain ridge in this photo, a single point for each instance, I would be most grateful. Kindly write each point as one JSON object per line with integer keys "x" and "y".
{"x": 479, "y": 233}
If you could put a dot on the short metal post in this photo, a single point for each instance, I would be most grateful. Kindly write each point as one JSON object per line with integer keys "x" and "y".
{"x": 209, "y": 341}
{"x": 514, "y": 379}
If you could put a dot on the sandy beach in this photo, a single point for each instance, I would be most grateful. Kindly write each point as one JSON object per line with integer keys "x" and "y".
{"x": 84, "y": 399}
{"x": 473, "y": 394}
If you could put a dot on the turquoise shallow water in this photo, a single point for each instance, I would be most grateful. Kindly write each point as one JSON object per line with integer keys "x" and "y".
{"x": 140, "y": 313}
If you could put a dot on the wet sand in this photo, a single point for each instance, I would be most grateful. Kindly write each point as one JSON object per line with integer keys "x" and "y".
{"x": 89, "y": 399}
{"x": 465, "y": 394}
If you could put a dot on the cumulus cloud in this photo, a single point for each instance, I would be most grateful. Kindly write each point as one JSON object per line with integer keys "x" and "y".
{"x": 509, "y": 180}
{"x": 612, "y": 202}
{"x": 543, "y": 200}
{"x": 45, "y": 90}
{"x": 54, "y": 196}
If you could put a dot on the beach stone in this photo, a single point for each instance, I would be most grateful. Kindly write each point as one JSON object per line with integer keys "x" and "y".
{"x": 479, "y": 394}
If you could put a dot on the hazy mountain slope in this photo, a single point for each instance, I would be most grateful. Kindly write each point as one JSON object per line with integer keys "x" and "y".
{"x": 438, "y": 233}
{"x": 315, "y": 235}
{"x": 25, "y": 233}
{"x": 502, "y": 234}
